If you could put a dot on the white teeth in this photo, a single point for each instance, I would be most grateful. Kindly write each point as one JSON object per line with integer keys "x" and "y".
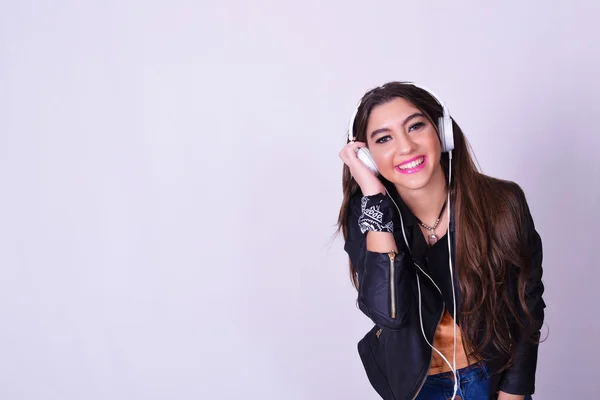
{"x": 413, "y": 164}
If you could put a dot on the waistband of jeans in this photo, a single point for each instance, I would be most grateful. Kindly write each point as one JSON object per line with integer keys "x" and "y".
{"x": 473, "y": 371}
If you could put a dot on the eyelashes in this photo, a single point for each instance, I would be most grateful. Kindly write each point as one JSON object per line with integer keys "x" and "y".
{"x": 414, "y": 127}
{"x": 383, "y": 139}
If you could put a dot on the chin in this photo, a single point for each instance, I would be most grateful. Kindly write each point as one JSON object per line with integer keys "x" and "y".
{"x": 412, "y": 185}
{"x": 410, "y": 182}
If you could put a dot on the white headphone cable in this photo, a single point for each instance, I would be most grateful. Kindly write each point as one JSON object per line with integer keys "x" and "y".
{"x": 453, "y": 365}
{"x": 452, "y": 279}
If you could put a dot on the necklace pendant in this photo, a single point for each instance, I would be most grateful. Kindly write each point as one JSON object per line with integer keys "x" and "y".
{"x": 433, "y": 239}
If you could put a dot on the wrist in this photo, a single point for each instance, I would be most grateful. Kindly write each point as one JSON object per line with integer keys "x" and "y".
{"x": 372, "y": 191}
{"x": 377, "y": 215}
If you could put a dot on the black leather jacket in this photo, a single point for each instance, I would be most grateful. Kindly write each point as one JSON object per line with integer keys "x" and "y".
{"x": 394, "y": 353}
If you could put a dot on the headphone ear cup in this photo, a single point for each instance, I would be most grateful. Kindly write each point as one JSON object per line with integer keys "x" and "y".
{"x": 364, "y": 155}
{"x": 446, "y": 133}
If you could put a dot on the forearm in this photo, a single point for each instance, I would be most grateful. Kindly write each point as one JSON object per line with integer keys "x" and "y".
{"x": 381, "y": 242}
{"x": 505, "y": 396}
{"x": 383, "y": 294}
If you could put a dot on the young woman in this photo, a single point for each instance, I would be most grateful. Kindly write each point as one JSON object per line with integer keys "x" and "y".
{"x": 446, "y": 260}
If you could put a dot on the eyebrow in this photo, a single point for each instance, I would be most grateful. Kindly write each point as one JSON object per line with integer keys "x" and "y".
{"x": 406, "y": 121}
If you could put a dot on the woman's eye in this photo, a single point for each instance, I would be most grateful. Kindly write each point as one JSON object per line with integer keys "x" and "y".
{"x": 383, "y": 139}
{"x": 416, "y": 126}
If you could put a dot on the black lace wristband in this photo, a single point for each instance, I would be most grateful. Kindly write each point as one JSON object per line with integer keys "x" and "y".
{"x": 376, "y": 214}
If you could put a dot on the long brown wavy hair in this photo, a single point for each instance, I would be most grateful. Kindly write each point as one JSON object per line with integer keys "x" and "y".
{"x": 490, "y": 219}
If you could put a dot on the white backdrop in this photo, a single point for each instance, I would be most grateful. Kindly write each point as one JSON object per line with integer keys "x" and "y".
{"x": 170, "y": 184}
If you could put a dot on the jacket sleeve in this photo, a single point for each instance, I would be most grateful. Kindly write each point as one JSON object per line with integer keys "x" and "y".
{"x": 520, "y": 377}
{"x": 383, "y": 280}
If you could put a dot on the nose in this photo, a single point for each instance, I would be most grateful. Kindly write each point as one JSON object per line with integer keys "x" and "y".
{"x": 404, "y": 145}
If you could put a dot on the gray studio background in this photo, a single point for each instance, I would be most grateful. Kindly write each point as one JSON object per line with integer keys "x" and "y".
{"x": 170, "y": 183}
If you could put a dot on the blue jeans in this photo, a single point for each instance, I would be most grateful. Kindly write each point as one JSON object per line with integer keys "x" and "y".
{"x": 474, "y": 384}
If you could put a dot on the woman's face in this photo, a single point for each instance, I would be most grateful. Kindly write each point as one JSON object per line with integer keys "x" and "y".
{"x": 404, "y": 144}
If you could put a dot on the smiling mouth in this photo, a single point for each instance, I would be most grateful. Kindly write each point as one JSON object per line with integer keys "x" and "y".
{"x": 412, "y": 164}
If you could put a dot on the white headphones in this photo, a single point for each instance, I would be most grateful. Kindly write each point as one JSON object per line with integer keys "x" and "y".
{"x": 446, "y": 134}
{"x": 445, "y": 131}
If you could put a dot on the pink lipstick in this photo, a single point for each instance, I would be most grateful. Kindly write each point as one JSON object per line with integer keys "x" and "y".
{"x": 413, "y": 165}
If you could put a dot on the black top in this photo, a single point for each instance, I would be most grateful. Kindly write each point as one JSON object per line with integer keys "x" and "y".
{"x": 433, "y": 260}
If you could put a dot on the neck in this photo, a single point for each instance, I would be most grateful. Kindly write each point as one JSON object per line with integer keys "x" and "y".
{"x": 426, "y": 203}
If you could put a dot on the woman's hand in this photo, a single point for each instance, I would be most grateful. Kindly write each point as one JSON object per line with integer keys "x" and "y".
{"x": 506, "y": 396}
{"x": 368, "y": 182}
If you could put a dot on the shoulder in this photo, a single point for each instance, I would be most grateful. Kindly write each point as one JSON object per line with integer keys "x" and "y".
{"x": 507, "y": 195}
{"x": 501, "y": 186}
{"x": 354, "y": 202}
{"x": 507, "y": 207}
{"x": 354, "y": 208}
